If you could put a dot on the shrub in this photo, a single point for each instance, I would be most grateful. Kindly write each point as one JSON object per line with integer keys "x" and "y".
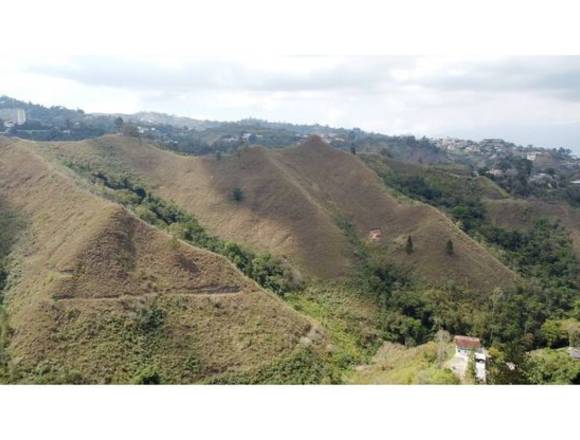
{"x": 146, "y": 215}
{"x": 150, "y": 319}
{"x": 147, "y": 376}
{"x": 237, "y": 194}
{"x": 409, "y": 245}
{"x": 449, "y": 247}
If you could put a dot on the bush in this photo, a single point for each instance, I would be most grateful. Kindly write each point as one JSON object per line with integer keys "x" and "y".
{"x": 553, "y": 367}
{"x": 237, "y": 194}
{"x": 150, "y": 319}
{"x": 449, "y": 247}
{"x": 147, "y": 376}
{"x": 552, "y": 332}
{"x": 409, "y": 245}
{"x": 146, "y": 215}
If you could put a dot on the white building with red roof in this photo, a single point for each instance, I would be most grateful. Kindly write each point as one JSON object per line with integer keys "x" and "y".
{"x": 465, "y": 347}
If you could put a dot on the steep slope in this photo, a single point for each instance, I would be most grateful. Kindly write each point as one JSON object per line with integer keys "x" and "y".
{"x": 292, "y": 200}
{"x": 102, "y": 297}
{"x": 345, "y": 185}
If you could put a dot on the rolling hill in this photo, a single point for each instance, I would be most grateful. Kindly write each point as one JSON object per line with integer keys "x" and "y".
{"x": 99, "y": 296}
{"x": 293, "y": 202}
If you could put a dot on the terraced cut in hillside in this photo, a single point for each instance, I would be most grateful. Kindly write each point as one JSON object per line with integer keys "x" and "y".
{"x": 291, "y": 201}
{"x": 101, "y": 296}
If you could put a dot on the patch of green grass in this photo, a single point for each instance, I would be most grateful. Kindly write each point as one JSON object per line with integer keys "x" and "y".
{"x": 396, "y": 364}
{"x": 351, "y": 320}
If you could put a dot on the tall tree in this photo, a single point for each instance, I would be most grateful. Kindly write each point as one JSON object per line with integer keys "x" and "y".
{"x": 119, "y": 124}
{"x": 409, "y": 246}
{"x": 442, "y": 338}
{"x": 449, "y": 247}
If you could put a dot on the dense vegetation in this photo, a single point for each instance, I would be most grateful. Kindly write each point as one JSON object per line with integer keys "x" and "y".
{"x": 459, "y": 196}
{"x": 544, "y": 252}
{"x": 512, "y": 321}
{"x": 516, "y": 175}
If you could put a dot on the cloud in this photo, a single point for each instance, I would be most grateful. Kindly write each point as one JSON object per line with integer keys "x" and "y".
{"x": 523, "y": 99}
{"x": 285, "y": 74}
{"x": 555, "y": 75}
{"x": 558, "y": 76}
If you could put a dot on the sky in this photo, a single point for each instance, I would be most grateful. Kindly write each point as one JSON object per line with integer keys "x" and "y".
{"x": 527, "y": 100}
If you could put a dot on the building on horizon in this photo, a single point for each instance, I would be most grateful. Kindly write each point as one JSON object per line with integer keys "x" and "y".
{"x": 13, "y": 116}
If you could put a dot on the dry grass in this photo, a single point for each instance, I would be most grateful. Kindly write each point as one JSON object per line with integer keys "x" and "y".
{"x": 292, "y": 198}
{"x": 399, "y": 365}
{"x": 103, "y": 295}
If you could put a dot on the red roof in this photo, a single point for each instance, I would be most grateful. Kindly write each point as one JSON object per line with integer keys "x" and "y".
{"x": 467, "y": 342}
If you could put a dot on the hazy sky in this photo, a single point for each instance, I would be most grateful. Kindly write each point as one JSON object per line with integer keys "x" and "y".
{"x": 529, "y": 100}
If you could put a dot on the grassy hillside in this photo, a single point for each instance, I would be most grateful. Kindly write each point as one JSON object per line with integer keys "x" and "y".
{"x": 449, "y": 180}
{"x": 102, "y": 297}
{"x": 399, "y": 365}
{"x": 289, "y": 201}
{"x": 520, "y": 214}
{"x": 123, "y": 265}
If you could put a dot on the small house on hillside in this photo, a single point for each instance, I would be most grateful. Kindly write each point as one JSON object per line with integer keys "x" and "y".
{"x": 466, "y": 345}
{"x": 375, "y": 234}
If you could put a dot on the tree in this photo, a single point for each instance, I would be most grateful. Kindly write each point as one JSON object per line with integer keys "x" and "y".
{"x": 119, "y": 124}
{"x": 130, "y": 130}
{"x": 147, "y": 376}
{"x": 449, "y": 247}
{"x": 508, "y": 366}
{"x": 409, "y": 246}
{"x": 553, "y": 367}
{"x": 575, "y": 313}
{"x": 471, "y": 373}
{"x": 552, "y": 332}
{"x": 442, "y": 338}
{"x": 238, "y": 194}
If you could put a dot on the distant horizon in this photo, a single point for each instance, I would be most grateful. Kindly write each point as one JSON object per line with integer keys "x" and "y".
{"x": 525, "y": 100}
{"x": 576, "y": 152}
